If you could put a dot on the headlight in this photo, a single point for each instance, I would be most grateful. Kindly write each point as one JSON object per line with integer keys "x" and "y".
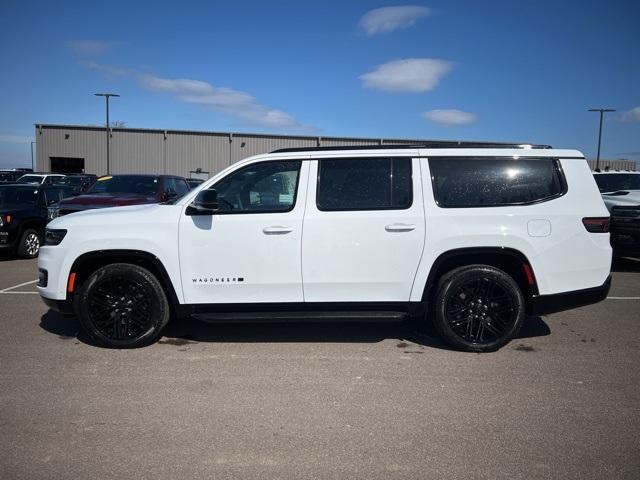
{"x": 53, "y": 237}
{"x": 52, "y": 212}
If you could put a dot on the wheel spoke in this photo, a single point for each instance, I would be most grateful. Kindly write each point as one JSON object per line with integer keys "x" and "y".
{"x": 120, "y": 307}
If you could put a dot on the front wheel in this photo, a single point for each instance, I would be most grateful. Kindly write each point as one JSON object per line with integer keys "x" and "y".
{"x": 478, "y": 308}
{"x": 122, "y": 306}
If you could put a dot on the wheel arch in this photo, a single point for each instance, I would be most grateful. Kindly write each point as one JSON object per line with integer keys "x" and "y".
{"x": 511, "y": 261}
{"x": 89, "y": 262}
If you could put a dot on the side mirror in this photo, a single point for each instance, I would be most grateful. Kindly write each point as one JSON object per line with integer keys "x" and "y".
{"x": 205, "y": 203}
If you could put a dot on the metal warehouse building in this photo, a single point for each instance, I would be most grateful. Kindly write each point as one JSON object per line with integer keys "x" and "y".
{"x": 72, "y": 148}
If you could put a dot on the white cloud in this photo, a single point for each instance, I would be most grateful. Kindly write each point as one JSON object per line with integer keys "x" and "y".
{"x": 230, "y": 102}
{"x": 176, "y": 85}
{"x": 408, "y": 75}
{"x": 89, "y": 47}
{"x": 450, "y": 117}
{"x": 631, "y": 116}
{"x": 9, "y": 138}
{"x": 388, "y": 19}
{"x": 108, "y": 70}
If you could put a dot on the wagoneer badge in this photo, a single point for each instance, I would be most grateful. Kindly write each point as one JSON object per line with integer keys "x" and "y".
{"x": 218, "y": 280}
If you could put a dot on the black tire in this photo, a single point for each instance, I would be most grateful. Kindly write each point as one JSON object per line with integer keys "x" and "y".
{"x": 29, "y": 244}
{"x": 122, "y": 306}
{"x": 478, "y": 308}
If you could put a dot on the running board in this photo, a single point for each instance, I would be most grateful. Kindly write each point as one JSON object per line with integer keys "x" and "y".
{"x": 329, "y": 316}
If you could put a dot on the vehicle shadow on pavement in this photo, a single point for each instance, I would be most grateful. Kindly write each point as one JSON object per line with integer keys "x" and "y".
{"x": 626, "y": 264}
{"x": 192, "y": 330}
{"x": 65, "y": 327}
{"x": 333, "y": 332}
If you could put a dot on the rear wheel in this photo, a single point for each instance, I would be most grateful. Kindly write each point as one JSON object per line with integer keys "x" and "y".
{"x": 478, "y": 308}
{"x": 29, "y": 245}
{"x": 122, "y": 306}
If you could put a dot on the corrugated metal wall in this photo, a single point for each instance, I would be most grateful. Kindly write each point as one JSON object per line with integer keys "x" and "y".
{"x": 87, "y": 144}
{"x": 613, "y": 164}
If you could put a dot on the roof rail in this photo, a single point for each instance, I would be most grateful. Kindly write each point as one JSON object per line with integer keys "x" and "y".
{"x": 434, "y": 144}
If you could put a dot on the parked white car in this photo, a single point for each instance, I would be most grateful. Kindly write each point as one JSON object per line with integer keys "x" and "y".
{"x": 469, "y": 236}
{"x": 621, "y": 194}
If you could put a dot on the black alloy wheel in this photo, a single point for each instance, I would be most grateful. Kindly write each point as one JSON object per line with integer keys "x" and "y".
{"x": 122, "y": 305}
{"x": 478, "y": 308}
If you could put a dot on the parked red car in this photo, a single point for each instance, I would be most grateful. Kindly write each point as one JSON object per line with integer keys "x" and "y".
{"x": 121, "y": 190}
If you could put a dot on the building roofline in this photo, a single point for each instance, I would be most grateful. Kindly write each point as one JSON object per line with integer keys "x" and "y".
{"x": 405, "y": 142}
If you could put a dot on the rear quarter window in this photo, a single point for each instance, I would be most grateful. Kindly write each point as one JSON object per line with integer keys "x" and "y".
{"x": 495, "y": 182}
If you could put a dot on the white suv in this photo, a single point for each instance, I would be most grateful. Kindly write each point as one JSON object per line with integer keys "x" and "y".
{"x": 469, "y": 236}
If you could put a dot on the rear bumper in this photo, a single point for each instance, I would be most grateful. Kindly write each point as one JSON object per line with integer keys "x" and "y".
{"x": 545, "y": 304}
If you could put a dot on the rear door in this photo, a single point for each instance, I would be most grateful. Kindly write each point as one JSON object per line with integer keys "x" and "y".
{"x": 364, "y": 229}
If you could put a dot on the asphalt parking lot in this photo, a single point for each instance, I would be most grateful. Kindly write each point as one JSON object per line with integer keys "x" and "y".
{"x": 320, "y": 401}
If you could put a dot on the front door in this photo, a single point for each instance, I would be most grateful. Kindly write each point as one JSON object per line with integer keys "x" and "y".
{"x": 364, "y": 230}
{"x": 250, "y": 251}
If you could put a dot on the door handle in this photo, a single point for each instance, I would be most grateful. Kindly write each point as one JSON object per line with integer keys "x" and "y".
{"x": 399, "y": 227}
{"x": 276, "y": 230}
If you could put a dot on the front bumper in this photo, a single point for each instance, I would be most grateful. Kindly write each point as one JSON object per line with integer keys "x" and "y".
{"x": 625, "y": 242}
{"x": 63, "y": 306}
{"x": 625, "y": 231}
{"x": 558, "y": 302}
{"x": 7, "y": 239}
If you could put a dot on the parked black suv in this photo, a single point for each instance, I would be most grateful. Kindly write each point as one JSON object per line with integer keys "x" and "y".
{"x": 23, "y": 215}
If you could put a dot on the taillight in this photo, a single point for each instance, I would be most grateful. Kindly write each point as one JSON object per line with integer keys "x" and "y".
{"x": 596, "y": 224}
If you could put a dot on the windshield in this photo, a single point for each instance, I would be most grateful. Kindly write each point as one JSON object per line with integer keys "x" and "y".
{"x": 71, "y": 181}
{"x": 612, "y": 182}
{"x": 18, "y": 197}
{"x": 30, "y": 179}
{"x": 139, "y": 185}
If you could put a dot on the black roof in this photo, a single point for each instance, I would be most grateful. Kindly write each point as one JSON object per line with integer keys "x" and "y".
{"x": 434, "y": 144}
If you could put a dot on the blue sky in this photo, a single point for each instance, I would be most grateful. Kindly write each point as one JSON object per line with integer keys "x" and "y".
{"x": 478, "y": 70}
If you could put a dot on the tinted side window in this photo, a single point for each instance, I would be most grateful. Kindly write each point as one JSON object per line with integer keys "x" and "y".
{"x": 364, "y": 184}
{"x": 181, "y": 186}
{"x": 465, "y": 182}
{"x": 261, "y": 187}
{"x": 53, "y": 195}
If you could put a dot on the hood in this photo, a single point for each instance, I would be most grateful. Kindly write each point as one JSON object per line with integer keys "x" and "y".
{"x": 132, "y": 215}
{"x": 103, "y": 200}
{"x": 630, "y": 199}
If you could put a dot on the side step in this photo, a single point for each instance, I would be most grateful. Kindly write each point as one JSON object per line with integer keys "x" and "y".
{"x": 319, "y": 316}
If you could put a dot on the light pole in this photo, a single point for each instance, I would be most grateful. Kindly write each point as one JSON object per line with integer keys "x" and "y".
{"x": 32, "y": 166}
{"x": 106, "y": 97}
{"x": 602, "y": 112}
